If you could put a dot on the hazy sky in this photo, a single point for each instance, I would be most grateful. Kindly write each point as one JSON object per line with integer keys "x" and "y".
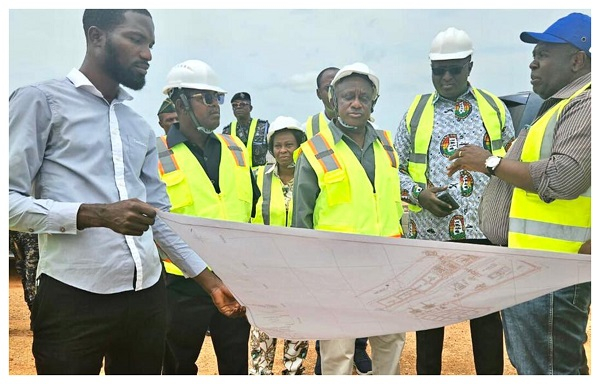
{"x": 275, "y": 54}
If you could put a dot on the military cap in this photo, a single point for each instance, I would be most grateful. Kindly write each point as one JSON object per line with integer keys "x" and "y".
{"x": 167, "y": 106}
{"x": 245, "y": 96}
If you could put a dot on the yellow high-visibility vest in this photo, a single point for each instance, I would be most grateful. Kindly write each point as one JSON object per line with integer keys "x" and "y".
{"x": 251, "y": 134}
{"x": 419, "y": 122}
{"x": 316, "y": 124}
{"x": 192, "y": 193}
{"x": 347, "y": 202}
{"x": 562, "y": 225}
{"x": 270, "y": 208}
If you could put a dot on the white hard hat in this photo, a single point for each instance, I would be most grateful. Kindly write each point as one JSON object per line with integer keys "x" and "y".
{"x": 358, "y": 68}
{"x": 194, "y": 74}
{"x": 283, "y": 122}
{"x": 451, "y": 44}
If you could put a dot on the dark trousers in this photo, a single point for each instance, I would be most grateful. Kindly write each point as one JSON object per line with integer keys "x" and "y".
{"x": 74, "y": 330}
{"x": 191, "y": 312}
{"x": 486, "y": 338}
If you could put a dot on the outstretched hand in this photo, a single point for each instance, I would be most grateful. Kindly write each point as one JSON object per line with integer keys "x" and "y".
{"x": 226, "y": 303}
{"x": 221, "y": 296}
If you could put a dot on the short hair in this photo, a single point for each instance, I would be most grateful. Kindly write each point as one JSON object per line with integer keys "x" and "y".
{"x": 322, "y": 73}
{"x": 107, "y": 19}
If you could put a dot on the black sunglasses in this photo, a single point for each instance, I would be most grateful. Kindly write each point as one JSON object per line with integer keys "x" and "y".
{"x": 452, "y": 69}
{"x": 209, "y": 97}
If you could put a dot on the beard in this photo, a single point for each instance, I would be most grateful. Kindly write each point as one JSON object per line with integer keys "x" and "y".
{"x": 124, "y": 76}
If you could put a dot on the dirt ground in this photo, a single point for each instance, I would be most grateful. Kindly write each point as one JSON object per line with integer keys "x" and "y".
{"x": 457, "y": 355}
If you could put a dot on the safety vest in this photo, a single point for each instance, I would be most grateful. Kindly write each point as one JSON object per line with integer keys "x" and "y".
{"x": 419, "y": 122}
{"x": 316, "y": 124}
{"x": 192, "y": 193}
{"x": 270, "y": 208}
{"x": 562, "y": 225}
{"x": 347, "y": 202}
{"x": 251, "y": 134}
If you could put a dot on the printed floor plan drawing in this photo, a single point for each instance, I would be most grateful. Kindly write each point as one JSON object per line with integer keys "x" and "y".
{"x": 308, "y": 284}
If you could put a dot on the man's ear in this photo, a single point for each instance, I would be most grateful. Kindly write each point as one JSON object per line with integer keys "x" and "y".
{"x": 578, "y": 61}
{"x": 96, "y": 36}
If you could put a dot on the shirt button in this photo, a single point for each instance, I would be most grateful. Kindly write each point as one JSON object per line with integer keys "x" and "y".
{"x": 62, "y": 229}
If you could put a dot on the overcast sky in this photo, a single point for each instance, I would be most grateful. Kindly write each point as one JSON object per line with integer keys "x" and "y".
{"x": 275, "y": 54}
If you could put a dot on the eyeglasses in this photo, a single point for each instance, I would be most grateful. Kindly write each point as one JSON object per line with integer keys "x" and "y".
{"x": 452, "y": 69}
{"x": 241, "y": 104}
{"x": 209, "y": 97}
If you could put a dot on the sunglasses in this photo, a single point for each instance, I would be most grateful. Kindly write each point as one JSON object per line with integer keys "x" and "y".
{"x": 241, "y": 104}
{"x": 452, "y": 69}
{"x": 209, "y": 98}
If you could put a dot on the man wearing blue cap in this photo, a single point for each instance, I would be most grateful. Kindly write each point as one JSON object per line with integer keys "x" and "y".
{"x": 539, "y": 197}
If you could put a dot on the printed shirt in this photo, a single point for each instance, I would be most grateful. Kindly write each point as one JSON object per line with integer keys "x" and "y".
{"x": 456, "y": 124}
{"x": 287, "y": 189}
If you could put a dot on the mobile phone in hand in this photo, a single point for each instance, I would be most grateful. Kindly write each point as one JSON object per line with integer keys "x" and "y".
{"x": 447, "y": 198}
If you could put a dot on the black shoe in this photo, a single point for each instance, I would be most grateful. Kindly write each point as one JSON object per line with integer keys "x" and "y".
{"x": 318, "y": 365}
{"x": 362, "y": 362}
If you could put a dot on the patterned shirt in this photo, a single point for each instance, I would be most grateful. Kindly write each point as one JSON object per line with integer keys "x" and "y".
{"x": 259, "y": 144}
{"x": 287, "y": 189}
{"x": 564, "y": 175}
{"x": 456, "y": 123}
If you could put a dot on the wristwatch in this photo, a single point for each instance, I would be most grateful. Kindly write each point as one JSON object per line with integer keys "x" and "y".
{"x": 491, "y": 163}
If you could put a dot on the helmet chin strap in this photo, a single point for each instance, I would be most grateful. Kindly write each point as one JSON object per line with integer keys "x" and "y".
{"x": 352, "y": 127}
{"x": 188, "y": 109}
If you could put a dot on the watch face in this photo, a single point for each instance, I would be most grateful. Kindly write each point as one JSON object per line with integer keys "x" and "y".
{"x": 492, "y": 161}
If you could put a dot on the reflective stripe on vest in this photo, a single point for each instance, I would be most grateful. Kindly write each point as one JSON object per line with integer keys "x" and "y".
{"x": 323, "y": 153}
{"x": 267, "y": 181}
{"x": 420, "y": 120}
{"x": 271, "y": 206}
{"x": 347, "y": 201}
{"x": 166, "y": 161}
{"x": 316, "y": 124}
{"x": 251, "y": 134}
{"x": 562, "y": 225}
{"x": 191, "y": 192}
{"x": 386, "y": 141}
{"x": 236, "y": 150}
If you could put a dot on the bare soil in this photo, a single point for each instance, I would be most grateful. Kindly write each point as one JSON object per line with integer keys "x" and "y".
{"x": 457, "y": 355}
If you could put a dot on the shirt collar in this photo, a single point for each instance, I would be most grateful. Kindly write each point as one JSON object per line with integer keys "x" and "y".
{"x": 271, "y": 168}
{"x": 79, "y": 80}
{"x": 437, "y": 96}
{"x": 174, "y": 136}
{"x": 337, "y": 132}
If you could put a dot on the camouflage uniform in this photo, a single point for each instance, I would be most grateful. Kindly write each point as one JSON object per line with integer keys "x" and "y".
{"x": 24, "y": 246}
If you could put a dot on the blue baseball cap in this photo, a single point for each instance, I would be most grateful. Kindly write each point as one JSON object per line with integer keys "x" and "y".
{"x": 574, "y": 29}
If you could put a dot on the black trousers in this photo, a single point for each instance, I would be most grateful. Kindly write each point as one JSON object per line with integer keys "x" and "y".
{"x": 486, "y": 339}
{"x": 74, "y": 330}
{"x": 191, "y": 312}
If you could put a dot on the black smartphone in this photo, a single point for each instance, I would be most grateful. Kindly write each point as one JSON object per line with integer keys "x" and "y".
{"x": 447, "y": 198}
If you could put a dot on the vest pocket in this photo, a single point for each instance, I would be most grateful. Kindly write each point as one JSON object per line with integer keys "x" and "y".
{"x": 178, "y": 189}
{"x": 337, "y": 187}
